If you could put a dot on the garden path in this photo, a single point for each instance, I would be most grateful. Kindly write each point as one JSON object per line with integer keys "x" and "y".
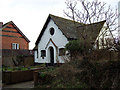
{"x": 28, "y": 84}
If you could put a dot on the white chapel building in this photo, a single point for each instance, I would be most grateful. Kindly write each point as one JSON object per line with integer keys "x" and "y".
{"x": 57, "y": 32}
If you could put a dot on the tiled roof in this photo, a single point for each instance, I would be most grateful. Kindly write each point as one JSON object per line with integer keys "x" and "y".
{"x": 73, "y": 30}
{"x": 68, "y": 27}
{"x": 90, "y": 31}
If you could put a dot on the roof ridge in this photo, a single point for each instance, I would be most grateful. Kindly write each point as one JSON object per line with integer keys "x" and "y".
{"x": 65, "y": 19}
{"x": 6, "y": 24}
{"x": 98, "y": 22}
{"x": 76, "y": 21}
{"x": 11, "y": 22}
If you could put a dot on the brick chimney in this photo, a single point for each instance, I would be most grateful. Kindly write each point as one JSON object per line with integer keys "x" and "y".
{"x": 1, "y": 24}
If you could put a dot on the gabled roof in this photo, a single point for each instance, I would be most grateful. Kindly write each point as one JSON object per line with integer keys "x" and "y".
{"x": 11, "y": 22}
{"x": 90, "y": 31}
{"x": 72, "y": 29}
{"x": 68, "y": 27}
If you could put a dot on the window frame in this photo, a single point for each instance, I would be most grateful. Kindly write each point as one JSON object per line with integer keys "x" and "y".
{"x": 43, "y": 53}
{"x": 52, "y": 31}
{"x": 15, "y": 46}
{"x": 61, "y": 51}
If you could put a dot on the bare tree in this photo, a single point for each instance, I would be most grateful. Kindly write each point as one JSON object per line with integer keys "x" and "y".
{"x": 71, "y": 5}
{"x": 91, "y": 12}
{"x": 87, "y": 12}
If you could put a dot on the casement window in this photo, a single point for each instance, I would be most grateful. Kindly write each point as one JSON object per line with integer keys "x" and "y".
{"x": 15, "y": 46}
{"x": 43, "y": 53}
{"x": 61, "y": 52}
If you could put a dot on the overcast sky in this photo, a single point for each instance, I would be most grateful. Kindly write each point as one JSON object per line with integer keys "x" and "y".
{"x": 30, "y": 15}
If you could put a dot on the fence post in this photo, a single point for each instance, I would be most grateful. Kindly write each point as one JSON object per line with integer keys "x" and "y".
{"x": 36, "y": 78}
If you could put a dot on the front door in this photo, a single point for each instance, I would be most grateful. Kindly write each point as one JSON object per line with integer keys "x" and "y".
{"x": 51, "y": 55}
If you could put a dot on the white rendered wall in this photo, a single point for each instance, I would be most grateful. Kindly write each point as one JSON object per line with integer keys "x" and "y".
{"x": 104, "y": 36}
{"x": 35, "y": 56}
{"x": 58, "y": 38}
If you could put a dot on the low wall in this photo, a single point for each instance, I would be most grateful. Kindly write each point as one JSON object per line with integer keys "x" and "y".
{"x": 10, "y": 77}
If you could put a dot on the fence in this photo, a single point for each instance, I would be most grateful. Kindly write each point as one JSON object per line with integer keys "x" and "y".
{"x": 10, "y": 77}
{"x": 10, "y": 52}
{"x": 17, "y": 57}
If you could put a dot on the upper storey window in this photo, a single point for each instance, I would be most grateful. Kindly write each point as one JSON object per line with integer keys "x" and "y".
{"x": 52, "y": 31}
{"x": 15, "y": 46}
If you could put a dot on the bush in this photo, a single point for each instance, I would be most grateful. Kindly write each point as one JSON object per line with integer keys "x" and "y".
{"x": 85, "y": 73}
{"x": 73, "y": 46}
{"x": 79, "y": 46}
{"x": 45, "y": 78}
{"x": 88, "y": 74}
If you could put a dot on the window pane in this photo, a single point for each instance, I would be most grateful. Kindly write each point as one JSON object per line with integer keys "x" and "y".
{"x": 37, "y": 53}
{"x": 43, "y": 53}
{"x": 17, "y": 46}
{"x": 51, "y": 31}
{"x": 61, "y": 52}
{"x": 13, "y": 46}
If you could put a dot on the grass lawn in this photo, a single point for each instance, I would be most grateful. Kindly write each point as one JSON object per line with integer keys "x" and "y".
{"x": 22, "y": 68}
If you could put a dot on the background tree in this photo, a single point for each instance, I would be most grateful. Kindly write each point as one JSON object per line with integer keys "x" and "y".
{"x": 87, "y": 12}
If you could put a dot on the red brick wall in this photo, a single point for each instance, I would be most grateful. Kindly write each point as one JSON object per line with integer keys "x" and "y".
{"x": 11, "y": 35}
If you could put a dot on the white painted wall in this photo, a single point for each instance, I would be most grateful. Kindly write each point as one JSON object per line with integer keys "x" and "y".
{"x": 58, "y": 38}
{"x": 104, "y": 34}
{"x": 35, "y": 56}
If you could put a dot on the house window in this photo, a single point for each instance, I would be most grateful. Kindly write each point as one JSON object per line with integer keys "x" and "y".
{"x": 61, "y": 52}
{"x": 15, "y": 46}
{"x": 52, "y": 31}
{"x": 43, "y": 53}
{"x": 37, "y": 53}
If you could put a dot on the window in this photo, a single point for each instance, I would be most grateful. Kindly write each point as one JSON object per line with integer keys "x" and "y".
{"x": 52, "y": 31}
{"x": 61, "y": 52}
{"x": 15, "y": 46}
{"x": 43, "y": 53}
{"x": 37, "y": 53}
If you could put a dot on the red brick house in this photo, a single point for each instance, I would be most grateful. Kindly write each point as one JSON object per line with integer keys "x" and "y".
{"x": 12, "y": 37}
{"x": 14, "y": 44}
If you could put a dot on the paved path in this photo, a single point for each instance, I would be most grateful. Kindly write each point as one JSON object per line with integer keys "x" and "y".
{"x": 29, "y": 84}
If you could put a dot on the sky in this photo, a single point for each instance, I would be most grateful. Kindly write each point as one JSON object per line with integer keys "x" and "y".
{"x": 30, "y": 15}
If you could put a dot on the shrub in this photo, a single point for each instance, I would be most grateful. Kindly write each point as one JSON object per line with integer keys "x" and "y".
{"x": 45, "y": 78}
{"x": 78, "y": 47}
